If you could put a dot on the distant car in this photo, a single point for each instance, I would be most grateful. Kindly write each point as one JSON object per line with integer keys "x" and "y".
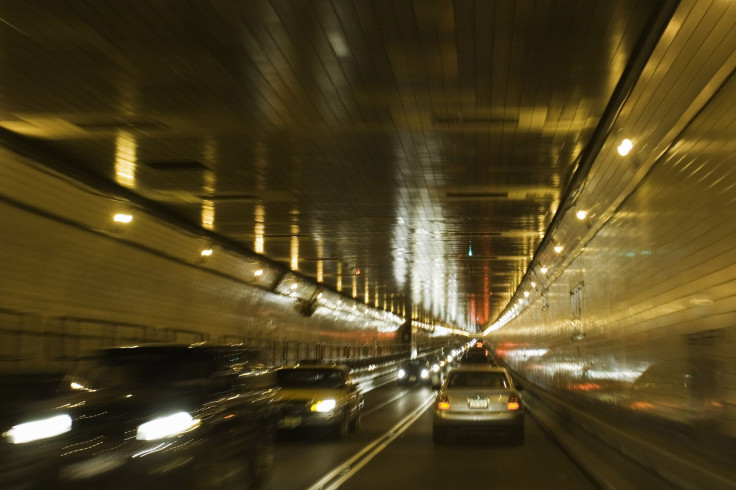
{"x": 476, "y": 355}
{"x": 414, "y": 371}
{"x": 321, "y": 396}
{"x": 146, "y": 417}
{"x": 475, "y": 399}
{"x": 436, "y": 369}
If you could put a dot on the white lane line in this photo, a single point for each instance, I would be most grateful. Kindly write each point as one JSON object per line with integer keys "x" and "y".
{"x": 342, "y": 473}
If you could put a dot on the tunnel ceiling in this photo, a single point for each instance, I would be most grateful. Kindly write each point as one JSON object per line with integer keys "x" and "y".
{"x": 406, "y": 153}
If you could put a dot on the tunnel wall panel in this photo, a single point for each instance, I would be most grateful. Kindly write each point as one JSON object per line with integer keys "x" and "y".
{"x": 74, "y": 280}
{"x": 655, "y": 330}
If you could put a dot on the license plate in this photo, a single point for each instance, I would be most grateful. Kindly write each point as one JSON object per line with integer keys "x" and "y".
{"x": 290, "y": 422}
{"x": 478, "y": 403}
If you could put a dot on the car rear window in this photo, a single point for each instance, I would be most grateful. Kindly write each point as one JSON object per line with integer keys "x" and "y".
{"x": 477, "y": 379}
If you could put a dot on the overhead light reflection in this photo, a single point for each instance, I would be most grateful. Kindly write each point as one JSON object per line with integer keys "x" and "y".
{"x": 260, "y": 228}
{"x": 125, "y": 159}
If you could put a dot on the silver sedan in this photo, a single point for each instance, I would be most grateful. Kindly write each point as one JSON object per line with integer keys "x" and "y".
{"x": 477, "y": 399}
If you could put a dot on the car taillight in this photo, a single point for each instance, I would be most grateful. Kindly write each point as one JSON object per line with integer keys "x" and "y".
{"x": 443, "y": 403}
{"x": 513, "y": 403}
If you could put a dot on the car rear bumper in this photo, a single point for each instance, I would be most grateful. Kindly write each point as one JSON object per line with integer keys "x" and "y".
{"x": 473, "y": 421}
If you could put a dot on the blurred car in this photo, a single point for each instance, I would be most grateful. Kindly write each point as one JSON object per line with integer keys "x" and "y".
{"x": 475, "y": 399}
{"x": 321, "y": 396}
{"x": 476, "y": 355}
{"x": 414, "y": 371}
{"x": 436, "y": 369}
{"x": 196, "y": 416}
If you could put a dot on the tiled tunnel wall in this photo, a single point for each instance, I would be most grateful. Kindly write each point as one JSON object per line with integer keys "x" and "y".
{"x": 644, "y": 318}
{"x": 73, "y": 279}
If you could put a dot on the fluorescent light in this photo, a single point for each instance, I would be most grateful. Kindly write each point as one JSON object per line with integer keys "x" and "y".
{"x": 123, "y": 218}
{"x": 625, "y": 147}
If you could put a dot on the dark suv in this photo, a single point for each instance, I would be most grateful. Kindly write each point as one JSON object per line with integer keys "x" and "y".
{"x": 157, "y": 416}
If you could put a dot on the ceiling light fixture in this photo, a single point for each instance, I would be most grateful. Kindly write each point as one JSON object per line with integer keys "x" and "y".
{"x": 123, "y": 218}
{"x": 625, "y": 147}
{"x": 558, "y": 248}
{"x": 581, "y": 214}
{"x": 543, "y": 270}
{"x": 206, "y": 252}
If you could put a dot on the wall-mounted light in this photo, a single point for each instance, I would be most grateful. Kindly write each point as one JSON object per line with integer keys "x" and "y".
{"x": 581, "y": 214}
{"x": 625, "y": 147}
{"x": 122, "y": 218}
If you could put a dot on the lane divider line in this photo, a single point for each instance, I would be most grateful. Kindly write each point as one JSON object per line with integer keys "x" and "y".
{"x": 342, "y": 473}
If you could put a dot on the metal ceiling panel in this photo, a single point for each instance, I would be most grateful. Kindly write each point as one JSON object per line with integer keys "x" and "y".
{"x": 426, "y": 144}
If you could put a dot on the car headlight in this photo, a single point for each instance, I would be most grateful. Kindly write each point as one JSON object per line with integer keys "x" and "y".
{"x": 324, "y": 406}
{"x": 425, "y": 373}
{"x": 168, "y": 426}
{"x": 402, "y": 373}
{"x": 39, "y": 429}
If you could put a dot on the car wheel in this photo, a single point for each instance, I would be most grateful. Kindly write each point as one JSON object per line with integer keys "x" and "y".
{"x": 439, "y": 435}
{"x": 342, "y": 428}
{"x": 355, "y": 424}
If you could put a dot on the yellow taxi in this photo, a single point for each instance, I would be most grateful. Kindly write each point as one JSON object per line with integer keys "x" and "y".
{"x": 319, "y": 395}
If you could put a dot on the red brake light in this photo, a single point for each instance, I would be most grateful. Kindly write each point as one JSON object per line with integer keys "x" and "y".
{"x": 443, "y": 403}
{"x": 513, "y": 403}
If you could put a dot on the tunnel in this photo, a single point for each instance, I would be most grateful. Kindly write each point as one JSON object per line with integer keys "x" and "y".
{"x": 362, "y": 183}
